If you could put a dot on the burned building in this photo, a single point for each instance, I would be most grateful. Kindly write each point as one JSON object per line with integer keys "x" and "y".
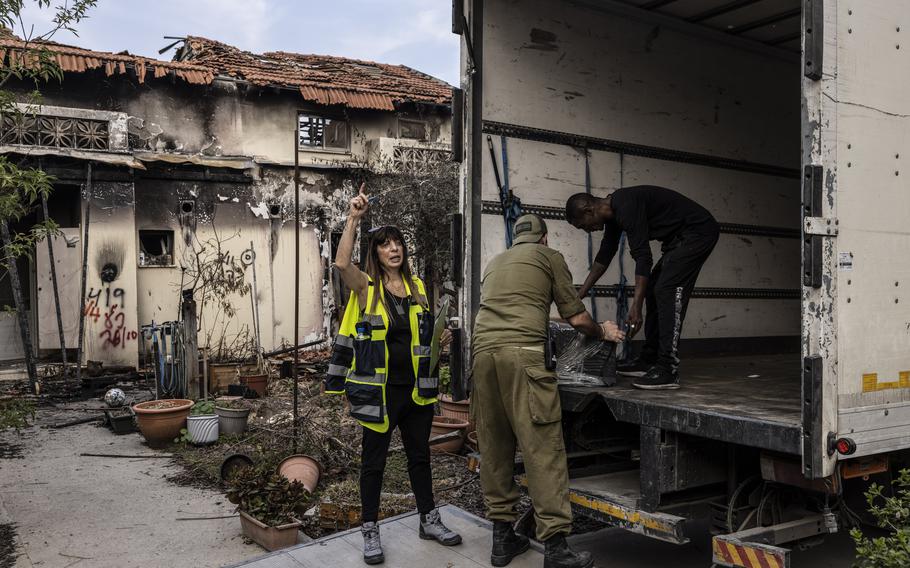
{"x": 179, "y": 174}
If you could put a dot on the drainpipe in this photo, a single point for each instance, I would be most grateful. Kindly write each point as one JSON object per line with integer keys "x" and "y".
{"x": 85, "y": 228}
{"x": 50, "y": 256}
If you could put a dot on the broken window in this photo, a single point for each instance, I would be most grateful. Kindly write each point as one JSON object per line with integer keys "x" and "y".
{"x": 412, "y": 129}
{"x": 319, "y": 132}
{"x": 156, "y": 248}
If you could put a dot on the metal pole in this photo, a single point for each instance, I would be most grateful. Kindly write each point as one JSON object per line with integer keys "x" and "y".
{"x": 205, "y": 373}
{"x": 85, "y": 227}
{"x": 296, "y": 269}
{"x": 50, "y": 256}
{"x": 256, "y": 325}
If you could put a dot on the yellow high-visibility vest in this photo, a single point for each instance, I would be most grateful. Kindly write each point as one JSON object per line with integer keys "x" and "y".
{"x": 364, "y": 381}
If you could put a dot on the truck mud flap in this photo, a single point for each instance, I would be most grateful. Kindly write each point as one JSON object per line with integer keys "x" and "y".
{"x": 731, "y": 552}
{"x": 758, "y": 547}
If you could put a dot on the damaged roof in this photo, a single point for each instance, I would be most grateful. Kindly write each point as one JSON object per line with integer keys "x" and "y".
{"x": 321, "y": 79}
{"x": 77, "y": 60}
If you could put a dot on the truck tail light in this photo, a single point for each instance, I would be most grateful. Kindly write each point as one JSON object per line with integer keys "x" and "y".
{"x": 845, "y": 446}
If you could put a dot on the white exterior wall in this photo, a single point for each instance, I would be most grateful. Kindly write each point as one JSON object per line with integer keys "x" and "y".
{"x": 111, "y": 322}
{"x": 252, "y": 131}
{"x": 228, "y": 329}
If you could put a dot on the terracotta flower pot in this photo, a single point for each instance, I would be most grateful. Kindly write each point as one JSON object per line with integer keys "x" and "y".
{"x": 269, "y": 538}
{"x": 472, "y": 441}
{"x": 231, "y": 465}
{"x": 232, "y": 420}
{"x": 443, "y": 425}
{"x": 304, "y": 469}
{"x": 460, "y": 410}
{"x": 160, "y": 421}
{"x": 258, "y": 383}
{"x": 202, "y": 429}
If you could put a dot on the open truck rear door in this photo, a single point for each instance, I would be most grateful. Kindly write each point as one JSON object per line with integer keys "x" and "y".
{"x": 856, "y": 151}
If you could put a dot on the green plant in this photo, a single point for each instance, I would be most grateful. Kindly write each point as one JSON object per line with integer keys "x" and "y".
{"x": 891, "y": 512}
{"x": 15, "y": 413}
{"x": 203, "y": 408}
{"x": 266, "y": 496}
{"x": 184, "y": 437}
{"x": 445, "y": 380}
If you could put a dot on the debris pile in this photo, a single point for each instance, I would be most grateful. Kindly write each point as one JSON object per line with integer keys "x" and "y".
{"x": 327, "y": 433}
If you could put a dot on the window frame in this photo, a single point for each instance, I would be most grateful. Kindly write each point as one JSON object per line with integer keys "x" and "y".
{"x": 172, "y": 242}
{"x": 330, "y": 117}
{"x": 424, "y": 123}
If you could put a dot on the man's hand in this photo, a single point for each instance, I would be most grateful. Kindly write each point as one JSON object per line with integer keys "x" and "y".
{"x": 597, "y": 270}
{"x": 612, "y": 332}
{"x": 360, "y": 204}
{"x": 446, "y": 338}
{"x": 634, "y": 320}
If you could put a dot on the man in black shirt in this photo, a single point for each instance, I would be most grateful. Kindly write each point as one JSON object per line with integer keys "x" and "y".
{"x": 687, "y": 232}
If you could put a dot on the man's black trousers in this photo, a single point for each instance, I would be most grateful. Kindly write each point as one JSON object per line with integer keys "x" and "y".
{"x": 669, "y": 289}
{"x": 414, "y": 421}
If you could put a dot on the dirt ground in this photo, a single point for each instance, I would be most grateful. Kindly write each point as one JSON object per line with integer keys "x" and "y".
{"x": 129, "y": 511}
{"x": 68, "y": 510}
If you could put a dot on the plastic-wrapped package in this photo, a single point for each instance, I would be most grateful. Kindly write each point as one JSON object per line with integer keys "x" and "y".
{"x": 581, "y": 360}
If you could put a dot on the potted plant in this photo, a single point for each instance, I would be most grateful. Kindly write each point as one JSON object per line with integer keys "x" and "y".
{"x": 269, "y": 506}
{"x": 233, "y": 414}
{"x": 258, "y": 382}
{"x": 202, "y": 423}
{"x": 302, "y": 468}
{"x": 461, "y": 409}
{"x": 443, "y": 425}
{"x": 160, "y": 421}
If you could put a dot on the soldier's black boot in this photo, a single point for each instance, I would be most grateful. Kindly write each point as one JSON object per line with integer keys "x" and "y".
{"x": 507, "y": 544}
{"x": 559, "y": 555}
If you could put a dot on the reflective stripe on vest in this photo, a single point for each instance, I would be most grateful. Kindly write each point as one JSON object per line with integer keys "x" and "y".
{"x": 427, "y": 382}
{"x": 338, "y": 370}
{"x": 367, "y": 410}
{"x": 376, "y": 379}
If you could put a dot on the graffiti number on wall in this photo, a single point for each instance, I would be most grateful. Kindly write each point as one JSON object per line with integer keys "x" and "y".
{"x": 106, "y": 306}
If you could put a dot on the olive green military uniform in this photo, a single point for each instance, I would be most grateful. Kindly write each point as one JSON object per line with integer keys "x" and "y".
{"x": 515, "y": 399}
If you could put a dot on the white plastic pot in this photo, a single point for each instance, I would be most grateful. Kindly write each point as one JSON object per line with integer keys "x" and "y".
{"x": 202, "y": 429}
{"x": 232, "y": 420}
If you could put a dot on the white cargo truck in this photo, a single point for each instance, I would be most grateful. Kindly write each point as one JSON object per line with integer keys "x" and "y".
{"x": 790, "y": 121}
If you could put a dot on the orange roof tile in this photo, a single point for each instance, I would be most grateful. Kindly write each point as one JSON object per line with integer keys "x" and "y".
{"x": 322, "y": 79}
{"x": 77, "y": 60}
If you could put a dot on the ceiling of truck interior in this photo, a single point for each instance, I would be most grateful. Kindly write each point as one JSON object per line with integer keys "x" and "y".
{"x": 772, "y": 22}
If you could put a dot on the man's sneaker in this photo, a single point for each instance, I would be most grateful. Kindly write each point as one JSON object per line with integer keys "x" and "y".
{"x": 557, "y": 554}
{"x": 506, "y": 543}
{"x": 431, "y": 528}
{"x": 657, "y": 378}
{"x": 372, "y": 547}
{"x": 634, "y": 367}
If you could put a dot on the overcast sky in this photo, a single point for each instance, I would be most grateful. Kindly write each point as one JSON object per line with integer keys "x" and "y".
{"x": 416, "y": 33}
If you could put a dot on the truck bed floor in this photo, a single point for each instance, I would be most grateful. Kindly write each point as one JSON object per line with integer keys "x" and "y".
{"x": 752, "y": 400}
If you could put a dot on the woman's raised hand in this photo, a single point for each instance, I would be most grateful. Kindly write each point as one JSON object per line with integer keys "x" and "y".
{"x": 360, "y": 203}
